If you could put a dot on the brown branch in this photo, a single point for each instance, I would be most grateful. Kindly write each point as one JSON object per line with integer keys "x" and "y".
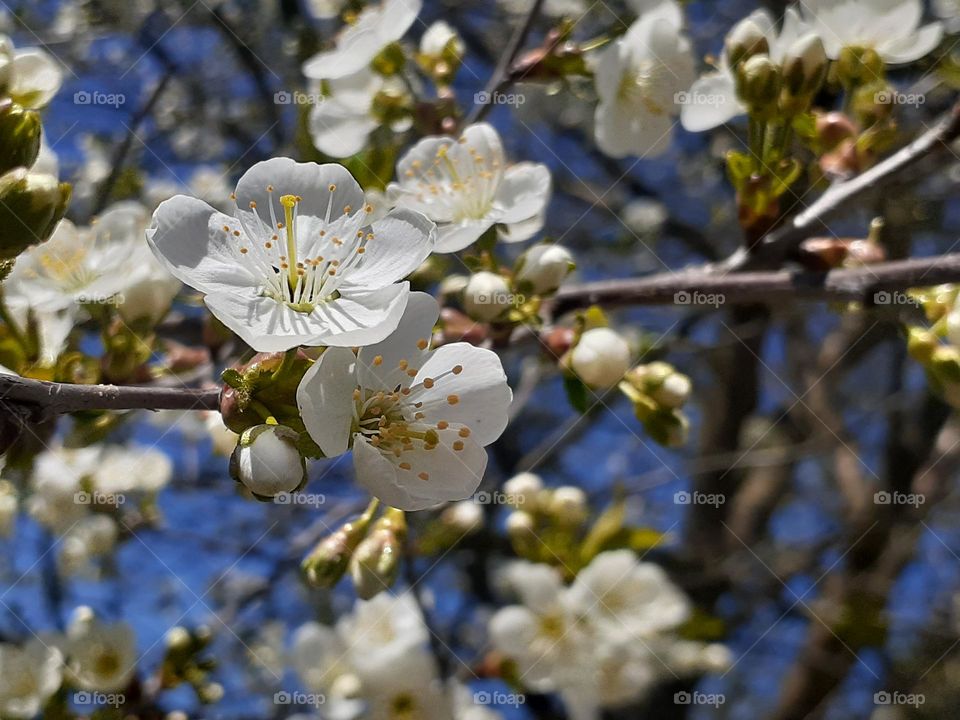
{"x": 503, "y": 76}
{"x": 56, "y": 398}
{"x": 745, "y": 288}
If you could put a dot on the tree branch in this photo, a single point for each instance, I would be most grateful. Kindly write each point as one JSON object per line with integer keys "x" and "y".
{"x": 690, "y": 287}
{"x": 56, "y": 398}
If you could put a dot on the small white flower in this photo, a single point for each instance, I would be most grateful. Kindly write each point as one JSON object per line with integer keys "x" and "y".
{"x": 29, "y": 676}
{"x": 467, "y": 188}
{"x": 417, "y": 419}
{"x": 890, "y": 27}
{"x": 55, "y": 482}
{"x": 569, "y": 504}
{"x": 436, "y": 38}
{"x": 128, "y": 469}
{"x": 638, "y": 78}
{"x": 545, "y": 267}
{"x": 359, "y": 43}
{"x": 600, "y": 358}
{"x": 267, "y": 461}
{"x": 522, "y": 490}
{"x": 101, "y": 656}
{"x": 299, "y": 263}
{"x": 31, "y": 76}
{"x": 409, "y": 688}
{"x": 486, "y": 295}
{"x": 712, "y": 99}
{"x": 322, "y": 661}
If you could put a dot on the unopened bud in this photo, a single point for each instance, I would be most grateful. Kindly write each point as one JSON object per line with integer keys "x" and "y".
{"x": 668, "y": 428}
{"x": 20, "y": 131}
{"x": 666, "y": 387}
{"x": 31, "y": 205}
{"x": 545, "y": 267}
{"x": 329, "y": 560}
{"x": 758, "y": 85}
{"x": 859, "y": 65}
{"x": 600, "y": 358}
{"x": 804, "y": 70}
{"x": 465, "y": 516}
{"x": 486, "y": 296}
{"x": 376, "y": 562}
{"x": 267, "y": 461}
{"x": 521, "y": 529}
{"x": 568, "y": 505}
{"x": 522, "y": 490}
{"x": 745, "y": 40}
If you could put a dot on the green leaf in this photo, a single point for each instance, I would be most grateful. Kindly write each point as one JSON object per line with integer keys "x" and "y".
{"x": 577, "y": 393}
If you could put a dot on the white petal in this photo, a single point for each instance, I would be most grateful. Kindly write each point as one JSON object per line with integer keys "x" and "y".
{"x": 339, "y": 129}
{"x": 482, "y": 389}
{"x": 710, "y": 102}
{"x": 912, "y": 47}
{"x": 187, "y": 236}
{"x": 36, "y": 78}
{"x": 402, "y": 241}
{"x": 523, "y": 193}
{"x": 417, "y": 323}
{"x": 513, "y": 630}
{"x": 524, "y": 230}
{"x": 451, "y": 474}
{"x": 325, "y": 399}
{"x": 309, "y": 181}
{"x": 362, "y": 317}
{"x": 457, "y": 236}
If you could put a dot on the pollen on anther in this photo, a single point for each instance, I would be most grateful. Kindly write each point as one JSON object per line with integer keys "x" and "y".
{"x": 361, "y": 251}
{"x": 453, "y": 399}
{"x": 457, "y": 369}
{"x": 428, "y": 383}
{"x": 347, "y": 209}
{"x": 443, "y": 425}
{"x": 464, "y": 432}
{"x": 269, "y": 188}
{"x": 404, "y": 364}
{"x": 378, "y": 360}
{"x": 332, "y": 187}
{"x": 411, "y": 372}
{"x": 226, "y": 228}
{"x": 422, "y": 344}
{"x": 236, "y": 233}
{"x": 424, "y": 476}
{"x": 458, "y": 445}
{"x": 243, "y": 251}
{"x": 253, "y": 204}
{"x": 405, "y": 466}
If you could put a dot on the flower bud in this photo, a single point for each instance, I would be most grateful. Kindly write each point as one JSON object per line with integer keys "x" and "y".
{"x": 668, "y": 428}
{"x": 329, "y": 560}
{"x": 31, "y": 205}
{"x": 758, "y": 85}
{"x": 20, "y": 131}
{"x": 804, "y": 70}
{"x": 858, "y": 65}
{"x": 600, "y": 358}
{"x": 149, "y": 298}
{"x": 568, "y": 505}
{"x": 521, "y": 529}
{"x": 375, "y": 564}
{"x": 545, "y": 267}
{"x": 268, "y": 462}
{"x": 486, "y": 296}
{"x": 522, "y": 490}
{"x": 745, "y": 40}
{"x": 465, "y": 516}
{"x": 833, "y": 128}
{"x": 662, "y": 383}
{"x": 438, "y": 37}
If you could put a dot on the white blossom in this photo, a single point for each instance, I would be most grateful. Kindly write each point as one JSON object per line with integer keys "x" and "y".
{"x": 417, "y": 419}
{"x": 545, "y": 267}
{"x": 892, "y": 28}
{"x": 268, "y": 462}
{"x": 101, "y": 656}
{"x": 359, "y": 43}
{"x": 486, "y": 295}
{"x": 30, "y": 76}
{"x": 29, "y": 676}
{"x": 299, "y": 262}
{"x": 638, "y": 78}
{"x": 466, "y": 186}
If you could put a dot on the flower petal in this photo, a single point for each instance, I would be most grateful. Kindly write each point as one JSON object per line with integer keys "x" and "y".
{"x": 402, "y": 241}
{"x": 36, "y": 78}
{"x": 325, "y": 400}
{"x": 340, "y": 129}
{"x": 187, "y": 236}
{"x": 913, "y": 46}
{"x": 524, "y": 192}
{"x": 309, "y": 181}
{"x": 710, "y": 102}
{"x": 363, "y": 317}
{"x": 417, "y": 323}
{"x": 483, "y": 396}
{"x": 457, "y": 236}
